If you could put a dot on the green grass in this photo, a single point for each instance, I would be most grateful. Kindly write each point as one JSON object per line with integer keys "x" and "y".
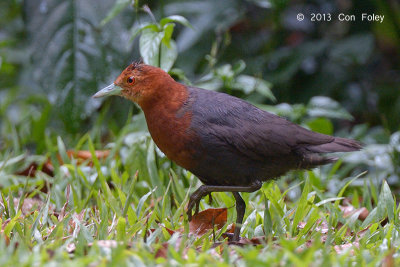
{"x": 117, "y": 211}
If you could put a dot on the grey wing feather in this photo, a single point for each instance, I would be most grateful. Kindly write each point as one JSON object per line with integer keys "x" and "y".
{"x": 257, "y": 133}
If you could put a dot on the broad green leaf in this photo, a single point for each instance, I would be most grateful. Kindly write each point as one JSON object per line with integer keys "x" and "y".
{"x": 168, "y": 30}
{"x": 320, "y": 125}
{"x": 176, "y": 18}
{"x": 322, "y": 106}
{"x": 149, "y": 45}
{"x": 249, "y": 84}
{"x": 168, "y": 55}
{"x": 71, "y": 58}
{"x": 138, "y": 29}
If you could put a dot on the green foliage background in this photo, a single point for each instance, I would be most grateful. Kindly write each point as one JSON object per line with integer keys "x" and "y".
{"x": 67, "y": 50}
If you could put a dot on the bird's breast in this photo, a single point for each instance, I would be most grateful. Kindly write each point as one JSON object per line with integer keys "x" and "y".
{"x": 172, "y": 134}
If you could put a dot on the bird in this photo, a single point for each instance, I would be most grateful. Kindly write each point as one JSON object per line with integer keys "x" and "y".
{"x": 226, "y": 142}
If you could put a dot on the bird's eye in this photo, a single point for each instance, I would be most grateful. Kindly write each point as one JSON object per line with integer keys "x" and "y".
{"x": 131, "y": 80}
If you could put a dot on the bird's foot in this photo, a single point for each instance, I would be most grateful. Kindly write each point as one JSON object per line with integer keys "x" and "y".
{"x": 195, "y": 201}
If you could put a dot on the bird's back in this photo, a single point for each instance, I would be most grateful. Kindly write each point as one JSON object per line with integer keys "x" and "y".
{"x": 239, "y": 143}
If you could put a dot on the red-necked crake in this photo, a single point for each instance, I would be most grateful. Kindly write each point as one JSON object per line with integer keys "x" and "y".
{"x": 229, "y": 144}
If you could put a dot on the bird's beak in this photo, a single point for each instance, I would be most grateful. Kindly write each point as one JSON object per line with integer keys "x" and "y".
{"x": 112, "y": 89}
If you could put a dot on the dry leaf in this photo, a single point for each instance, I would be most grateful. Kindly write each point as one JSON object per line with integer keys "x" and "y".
{"x": 322, "y": 226}
{"x": 340, "y": 249}
{"x": 349, "y": 210}
{"x": 364, "y": 214}
{"x": 80, "y": 155}
{"x": 208, "y": 219}
{"x": 71, "y": 248}
{"x": 31, "y": 170}
{"x": 31, "y": 204}
{"x": 162, "y": 251}
{"x": 84, "y": 155}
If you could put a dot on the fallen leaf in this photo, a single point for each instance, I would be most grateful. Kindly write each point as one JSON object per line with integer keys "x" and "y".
{"x": 31, "y": 170}
{"x": 84, "y": 155}
{"x": 341, "y": 249}
{"x": 208, "y": 219}
{"x": 171, "y": 232}
{"x": 321, "y": 226}
{"x": 350, "y": 210}
{"x": 70, "y": 248}
{"x": 162, "y": 252}
{"x": 106, "y": 244}
{"x": 80, "y": 155}
{"x": 362, "y": 233}
{"x": 79, "y": 216}
{"x": 31, "y": 204}
{"x": 364, "y": 214}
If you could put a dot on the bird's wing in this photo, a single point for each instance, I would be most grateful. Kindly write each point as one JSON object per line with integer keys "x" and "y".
{"x": 221, "y": 119}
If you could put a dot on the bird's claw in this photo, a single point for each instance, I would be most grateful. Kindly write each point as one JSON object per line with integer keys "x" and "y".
{"x": 194, "y": 201}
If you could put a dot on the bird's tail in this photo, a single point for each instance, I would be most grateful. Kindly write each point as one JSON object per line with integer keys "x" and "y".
{"x": 338, "y": 145}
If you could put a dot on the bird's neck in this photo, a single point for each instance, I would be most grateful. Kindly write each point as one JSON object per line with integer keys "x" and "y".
{"x": 168, "y": 122}
{"x": 166, "y": 99}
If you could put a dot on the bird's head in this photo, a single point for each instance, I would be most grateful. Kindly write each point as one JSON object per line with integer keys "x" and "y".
{"x": 139, "y": 83}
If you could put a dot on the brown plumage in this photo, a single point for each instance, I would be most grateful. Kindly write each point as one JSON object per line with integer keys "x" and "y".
{"x": 229, "y": 144}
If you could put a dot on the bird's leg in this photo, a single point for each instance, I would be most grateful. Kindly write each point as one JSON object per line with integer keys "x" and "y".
{"x": 206, "y": 189}
{"x": 198, "y": 203}
{"x": 210, "y": 199}
{"x": 195, "y": 200}
{"x": 240, "y": 209}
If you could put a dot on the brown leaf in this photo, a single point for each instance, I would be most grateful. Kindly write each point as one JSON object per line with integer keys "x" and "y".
{"x": 340, "y": 249}
{"x": 48, "y": 168}
{"x": 84, "y": 155}
{"x": 364, "y": 214}
{"x": 301, "y": 225}
{"x": 31, "y": 204}
{"x": 321, "y": 226}
{"x": 70, "y": 248}
{"x": 207, "y": 219}
{"x": 349, "y": 210}
{"x": 31, "y": 170}
{"x": 162, "y": 252}
{"x": 78, "y": 216}
{"x": 362, "y": 233}
{"x": 171, "y": 232}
